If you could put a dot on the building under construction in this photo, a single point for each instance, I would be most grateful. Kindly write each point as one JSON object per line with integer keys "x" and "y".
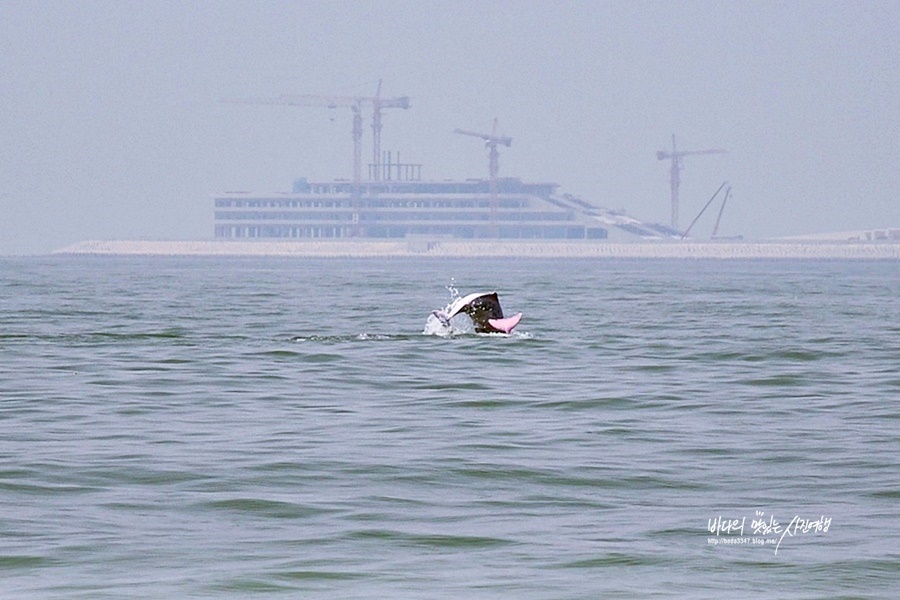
{"x": 398, "y": 209}
{"x": 394, "y": 202}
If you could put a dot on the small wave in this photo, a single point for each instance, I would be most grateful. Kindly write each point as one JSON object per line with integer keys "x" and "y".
{"x": 264, "y": 507}
{"x": 341, "y": 339}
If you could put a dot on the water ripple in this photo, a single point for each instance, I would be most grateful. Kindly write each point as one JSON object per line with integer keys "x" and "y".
{"x": 242, "y": 428}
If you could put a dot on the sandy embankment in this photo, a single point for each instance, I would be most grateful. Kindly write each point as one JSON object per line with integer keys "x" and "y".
{"x": 459, "y": 248}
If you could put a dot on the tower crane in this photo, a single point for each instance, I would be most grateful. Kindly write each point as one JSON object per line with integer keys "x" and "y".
{"x": 379, "y": 103}
{"x": 490, "y": 141}
{"x": 675, "y": 171}
{"x": 356, "y": 104}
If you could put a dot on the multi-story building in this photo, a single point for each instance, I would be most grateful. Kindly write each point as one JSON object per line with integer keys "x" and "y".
{"x": 471, "y": 209}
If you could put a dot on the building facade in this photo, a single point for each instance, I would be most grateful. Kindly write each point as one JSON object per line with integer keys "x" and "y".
{"x": 510, "y": 209}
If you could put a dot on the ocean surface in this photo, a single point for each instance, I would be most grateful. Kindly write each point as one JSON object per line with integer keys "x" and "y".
{"x": 286, "y": 428}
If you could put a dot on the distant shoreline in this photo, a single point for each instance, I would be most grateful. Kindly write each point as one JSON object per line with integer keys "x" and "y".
{"x": 493, "y": 248}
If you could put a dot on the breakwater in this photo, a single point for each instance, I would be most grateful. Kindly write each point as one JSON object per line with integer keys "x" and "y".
{"x": 467, "y": 248}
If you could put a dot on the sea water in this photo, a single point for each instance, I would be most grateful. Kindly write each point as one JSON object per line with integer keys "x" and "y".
{"x": 236, "y": 428}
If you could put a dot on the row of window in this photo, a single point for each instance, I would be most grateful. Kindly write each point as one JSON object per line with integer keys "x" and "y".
{"x": 370, "y": 203}
{"x": 388, "y": 216}
{"x": 268, "y": 231}
{"x": 387, "y": 231}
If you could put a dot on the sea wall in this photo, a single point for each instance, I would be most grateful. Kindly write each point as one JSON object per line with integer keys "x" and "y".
{"x": 462, "y": 248}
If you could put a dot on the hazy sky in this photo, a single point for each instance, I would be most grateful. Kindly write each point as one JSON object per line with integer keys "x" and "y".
{"x": 112, "y": 125}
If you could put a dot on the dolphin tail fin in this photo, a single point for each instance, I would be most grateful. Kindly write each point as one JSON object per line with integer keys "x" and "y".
{"x": 507, "y": 324}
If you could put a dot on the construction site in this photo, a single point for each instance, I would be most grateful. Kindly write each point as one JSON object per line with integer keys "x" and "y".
{"x": 393, "y": 201}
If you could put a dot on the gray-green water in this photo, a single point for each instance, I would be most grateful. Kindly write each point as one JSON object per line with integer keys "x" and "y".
{"x": 282, "y": 428}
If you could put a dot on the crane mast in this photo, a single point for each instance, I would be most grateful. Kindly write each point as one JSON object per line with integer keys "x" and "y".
{"x": 356, "y": 104}
{"x": 491, "y": 140}
{"x": 675, "y": 171}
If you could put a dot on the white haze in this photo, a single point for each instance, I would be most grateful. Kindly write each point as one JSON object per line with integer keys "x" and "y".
{"x": 113, "y": 127}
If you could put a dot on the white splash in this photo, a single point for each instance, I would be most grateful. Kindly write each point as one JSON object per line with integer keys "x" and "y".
{"x": 459, "y": 324}
{"x": 454, "y": 293}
